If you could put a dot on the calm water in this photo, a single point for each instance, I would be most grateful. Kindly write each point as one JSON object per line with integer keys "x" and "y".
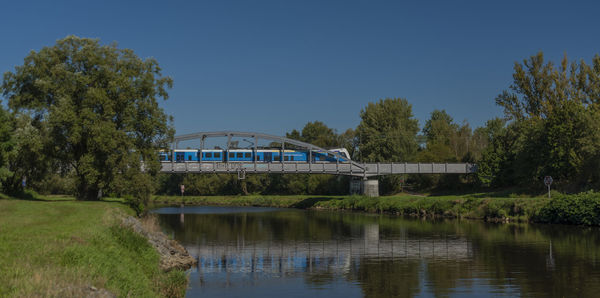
{"x": 266, "y": 252}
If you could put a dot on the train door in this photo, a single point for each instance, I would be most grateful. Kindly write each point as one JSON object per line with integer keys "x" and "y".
{"x": 179, "y": 156}
{"x": 268, "y": 156}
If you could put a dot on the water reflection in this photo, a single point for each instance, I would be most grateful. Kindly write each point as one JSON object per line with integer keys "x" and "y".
{"x": 273, "y": 252}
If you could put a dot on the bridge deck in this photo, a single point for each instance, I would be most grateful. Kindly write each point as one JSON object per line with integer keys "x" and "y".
{"x": 360, "y": 170}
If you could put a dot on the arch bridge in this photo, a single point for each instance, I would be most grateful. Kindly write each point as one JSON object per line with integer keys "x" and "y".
{"x": 341, "y": 166}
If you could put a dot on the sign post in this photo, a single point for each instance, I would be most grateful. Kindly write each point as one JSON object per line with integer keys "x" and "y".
{"x": 548, "y": 181}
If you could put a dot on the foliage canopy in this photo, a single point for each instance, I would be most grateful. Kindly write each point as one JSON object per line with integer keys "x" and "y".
{"x": 98, "y": 104}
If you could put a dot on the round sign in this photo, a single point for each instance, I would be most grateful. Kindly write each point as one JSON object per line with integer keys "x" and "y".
{"x": 548, "y": 180}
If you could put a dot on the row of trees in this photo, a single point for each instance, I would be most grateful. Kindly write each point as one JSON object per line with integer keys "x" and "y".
{"x": 83, "y": 116}
{"x": 553, "y": 128}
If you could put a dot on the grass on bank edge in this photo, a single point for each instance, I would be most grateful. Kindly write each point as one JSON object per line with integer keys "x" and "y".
{"x": 62, "y": 248}
{"x": 575, "y": 209}
{"x": 473, "y": 206}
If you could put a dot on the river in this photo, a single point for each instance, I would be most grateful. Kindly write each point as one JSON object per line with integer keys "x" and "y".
{"x": 268, "y": 252}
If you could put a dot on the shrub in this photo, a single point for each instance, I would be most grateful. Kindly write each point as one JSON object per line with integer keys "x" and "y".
{"x": 579, "y": 209}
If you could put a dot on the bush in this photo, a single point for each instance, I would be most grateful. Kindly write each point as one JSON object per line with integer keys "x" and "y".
{"x": 579, "y": 209}
{"x": 56, "y": 184}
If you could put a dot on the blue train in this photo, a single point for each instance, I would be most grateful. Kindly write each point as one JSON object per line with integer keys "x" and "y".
{"x": 247, "y": 155}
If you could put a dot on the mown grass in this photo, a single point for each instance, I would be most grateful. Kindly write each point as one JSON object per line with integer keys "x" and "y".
{"x": 63, "y": 247}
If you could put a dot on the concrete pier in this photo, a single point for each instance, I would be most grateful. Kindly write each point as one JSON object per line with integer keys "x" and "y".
{"x": 371, "y": 188}
{"x": 365, "y": 187}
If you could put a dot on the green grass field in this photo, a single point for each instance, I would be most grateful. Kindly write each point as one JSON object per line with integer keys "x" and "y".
{"x": 62, "y": 247}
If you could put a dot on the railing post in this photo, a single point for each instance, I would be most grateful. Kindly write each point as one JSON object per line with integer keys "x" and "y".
{"x": 172, "y": 156}
{"x": 310, "y": 160}
{"x": 255, "y": 152}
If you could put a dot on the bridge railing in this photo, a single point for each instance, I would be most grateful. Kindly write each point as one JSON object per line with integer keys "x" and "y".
{"x": 367, "y": 170}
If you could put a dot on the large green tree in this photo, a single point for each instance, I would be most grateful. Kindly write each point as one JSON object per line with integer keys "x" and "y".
{"x": 553, "y": 130}
{"x": 6, "y": 146}
{"x": 387, "y": 131}
{"x": 99, "y": 105}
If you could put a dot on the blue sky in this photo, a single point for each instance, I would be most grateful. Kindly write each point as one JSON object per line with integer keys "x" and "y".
{"x": 272, "y": 66}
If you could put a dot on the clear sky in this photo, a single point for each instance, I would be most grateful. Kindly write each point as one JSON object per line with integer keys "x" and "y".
{"x": 272, "y": 66}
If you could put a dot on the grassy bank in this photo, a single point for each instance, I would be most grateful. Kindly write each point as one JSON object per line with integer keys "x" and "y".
{"x": 470, "y": 206}
{"x": 565, "y": 209}
{"x": 64, "y": 248}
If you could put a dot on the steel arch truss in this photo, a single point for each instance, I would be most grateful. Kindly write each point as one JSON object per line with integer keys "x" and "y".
{"x": 347, "y": 167}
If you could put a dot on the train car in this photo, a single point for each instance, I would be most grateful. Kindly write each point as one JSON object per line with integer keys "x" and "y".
{"x": 321, "y": 156}
{"x": 248, "y": 155}
{"x": 272, "y": 155}
{"x": 295, "y": 156}
{"x": 183, "y": 155}
{"x": 214, "y": 155}
{"x": 240, "y": 155}
{"x": 266, "y": 155}
{"x": 343, "y": 152}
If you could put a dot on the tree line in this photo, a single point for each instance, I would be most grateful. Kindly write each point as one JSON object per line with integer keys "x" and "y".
{"x": 82, "y": 116}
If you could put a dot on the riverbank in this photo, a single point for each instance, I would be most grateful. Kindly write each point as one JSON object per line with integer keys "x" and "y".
{"x": 63, "y": 248}
{"x": 579, "y": 209}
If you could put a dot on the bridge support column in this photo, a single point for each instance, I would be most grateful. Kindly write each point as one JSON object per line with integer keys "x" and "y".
{"x": 371, "y": 188}
{"x": 364, "y": 187}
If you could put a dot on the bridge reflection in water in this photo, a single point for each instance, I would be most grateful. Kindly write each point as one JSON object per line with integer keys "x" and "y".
{"x": 243, "y": 249}
{"x": 338, "y": 256}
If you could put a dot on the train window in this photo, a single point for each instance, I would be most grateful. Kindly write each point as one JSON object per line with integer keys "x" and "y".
{"x": 231, "y": 155}
{"x": 209, "y": 155}
{"x": 291, "y": 158}
{"x": 247, "y": 155}
{"x": 276, "y": 158}
{"x": 240, "y": 155}
{"x": 286, "y": 158}
{"x": 189, "y": 157}
{"x": 162, "y": 157}
{"x": 257, "y": 157}
{"x": 217, "y": 154}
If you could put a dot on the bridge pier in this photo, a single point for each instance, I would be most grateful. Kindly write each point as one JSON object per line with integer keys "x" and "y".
{"x": 369, "y": 188}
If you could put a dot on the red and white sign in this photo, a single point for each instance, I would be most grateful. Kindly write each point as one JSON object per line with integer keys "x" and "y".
{"x": 182, "y": 187}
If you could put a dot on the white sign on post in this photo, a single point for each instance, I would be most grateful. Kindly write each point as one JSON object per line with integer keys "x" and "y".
{"x": 182, "y": 187}
{"x": 548, "y": 181}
